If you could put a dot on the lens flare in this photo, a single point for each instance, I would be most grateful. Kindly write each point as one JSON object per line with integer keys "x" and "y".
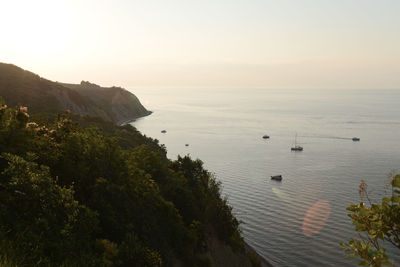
{"x": 316, "y": 217}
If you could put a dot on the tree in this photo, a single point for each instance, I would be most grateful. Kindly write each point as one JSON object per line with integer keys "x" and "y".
{"x": 102, "y": 195}
{"x": 40, "y": 222}
{"x": 377, "y": 224}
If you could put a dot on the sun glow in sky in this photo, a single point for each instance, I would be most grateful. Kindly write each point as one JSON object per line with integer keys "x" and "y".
{"x": 209, "y": 43}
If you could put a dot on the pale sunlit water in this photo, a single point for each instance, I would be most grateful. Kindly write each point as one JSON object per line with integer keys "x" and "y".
{"x": 224, "y": 128}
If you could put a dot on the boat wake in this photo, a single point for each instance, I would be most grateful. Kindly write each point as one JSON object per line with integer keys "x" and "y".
{"x": 326, "y": 137}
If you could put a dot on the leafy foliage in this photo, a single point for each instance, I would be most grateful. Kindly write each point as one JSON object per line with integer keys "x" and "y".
{"x": 101, "y": 195}
{"x": 37, "y": 214}
{"x": 379, "y": 223}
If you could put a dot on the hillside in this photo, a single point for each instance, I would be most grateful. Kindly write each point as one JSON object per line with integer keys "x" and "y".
{"x": 18, "y": 86}
{"x": 74, "y": 195}
{"x": 83, "y": 191}
{"x": 119, "y": 104}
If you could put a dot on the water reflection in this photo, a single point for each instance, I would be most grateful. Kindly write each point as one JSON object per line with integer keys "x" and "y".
{"x": 281, "y": 194}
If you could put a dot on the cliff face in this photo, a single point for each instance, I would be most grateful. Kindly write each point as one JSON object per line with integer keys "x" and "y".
{"x": 115, "y": 104}
{"x": 118, "y": 104}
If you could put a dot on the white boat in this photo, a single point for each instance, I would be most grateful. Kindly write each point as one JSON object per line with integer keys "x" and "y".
{"x": 296, "y": 147}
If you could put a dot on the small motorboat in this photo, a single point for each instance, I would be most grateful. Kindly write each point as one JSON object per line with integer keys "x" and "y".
{"x": 276, "y": 177}
{"x": 355, "y": 139}
{"x": 164, "y": 131}
{"x": 297, "y": 148}
{"x": 266, "y": 136}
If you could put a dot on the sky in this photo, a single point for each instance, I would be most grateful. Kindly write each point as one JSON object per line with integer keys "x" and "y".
{"x": 209, "y": 43}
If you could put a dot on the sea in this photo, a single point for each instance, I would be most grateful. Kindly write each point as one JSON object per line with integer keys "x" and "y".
{"x": 300, "y": 220}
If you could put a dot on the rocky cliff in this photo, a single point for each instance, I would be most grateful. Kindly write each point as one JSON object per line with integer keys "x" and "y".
{"x": 18, "y": 86}
{"x": 119, "y": 104}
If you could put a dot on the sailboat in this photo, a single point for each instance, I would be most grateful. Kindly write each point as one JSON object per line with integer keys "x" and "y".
{"x": 296, "y": 146}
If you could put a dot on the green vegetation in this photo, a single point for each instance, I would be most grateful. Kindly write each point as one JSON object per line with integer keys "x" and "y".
{"x": 378, "y": 223}
{"x": 79, "y": 191}
{"x": 20, "y": 87}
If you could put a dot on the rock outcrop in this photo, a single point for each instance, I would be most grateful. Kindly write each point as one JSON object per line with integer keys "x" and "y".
{"x": 21, "y": 87}
{"x": 118, "y": 104}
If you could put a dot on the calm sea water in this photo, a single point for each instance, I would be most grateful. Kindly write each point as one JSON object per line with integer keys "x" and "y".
{"x": 224, "y": 128}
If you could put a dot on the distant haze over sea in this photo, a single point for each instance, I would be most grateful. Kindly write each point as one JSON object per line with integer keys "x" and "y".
{"x": 208, "y": 43}
{"x": 301, "y": 220}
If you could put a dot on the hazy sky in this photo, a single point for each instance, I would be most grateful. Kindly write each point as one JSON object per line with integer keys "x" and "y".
{"x": 206, "y": 43}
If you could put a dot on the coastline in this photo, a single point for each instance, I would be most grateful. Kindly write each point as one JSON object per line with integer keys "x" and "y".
{"x": 123, "y": 122}
{"x": 264, "y": 262}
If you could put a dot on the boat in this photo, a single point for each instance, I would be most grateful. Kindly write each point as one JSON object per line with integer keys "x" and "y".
{"x": 276, "y": 177}
{"x": 355, "y": 139}
{"x": 164, "y": 131}
{"x": 266, "y": 136}
{"x": 296, "y": 146}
